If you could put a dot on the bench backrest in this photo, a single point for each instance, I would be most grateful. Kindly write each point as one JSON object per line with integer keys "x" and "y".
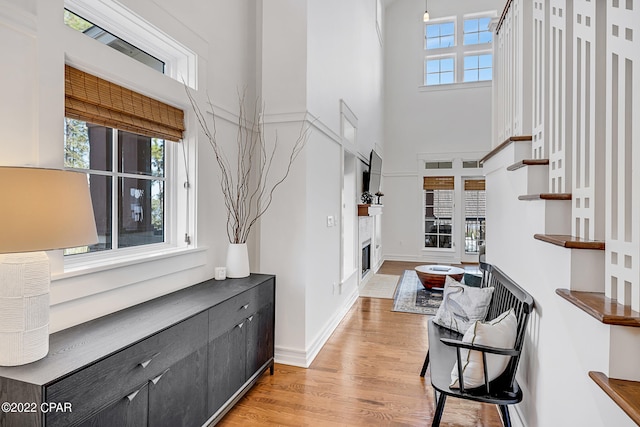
{"x": 506, "y": 295}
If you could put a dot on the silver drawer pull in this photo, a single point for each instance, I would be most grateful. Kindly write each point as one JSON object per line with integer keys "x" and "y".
{"x": 244, "y": 307}
{"x": 240, "y": 325}
{"x": 250, "y": 319}
{"x": 134, "y": 394}
{"x": 146, "y": 362}
{"x": 156, "y": 379}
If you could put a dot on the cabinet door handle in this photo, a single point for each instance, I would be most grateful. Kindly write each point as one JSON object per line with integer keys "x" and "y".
{"x": 246, "y": 306}
{"x": 146, "y": 362}
{"x": 250, "y": 319}
{"x": 133, "y": 395}
{"x": 240, "y": 325}
{"x": 156, "y": 379}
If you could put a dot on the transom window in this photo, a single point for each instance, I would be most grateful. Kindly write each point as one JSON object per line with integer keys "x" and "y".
{"x": 476, "y": 31}
{"x": 440, "y": 35}
{"x": 126, "y": 180}
{"x": 439, "y": 71}
{"x": 478, "y": 67}
{"x": 88, "y": 28}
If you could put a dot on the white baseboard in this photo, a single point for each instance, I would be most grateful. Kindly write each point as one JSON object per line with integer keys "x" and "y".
{"x": 303, "y": 358}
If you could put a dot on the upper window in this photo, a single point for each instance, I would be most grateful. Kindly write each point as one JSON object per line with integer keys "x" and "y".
{"x": 476, "y": 31}
{"x": 78, "y": 23}
{"x": 478, "y": 67}
{"x": 440, "y": 35}
{"x": 439, "y": 71}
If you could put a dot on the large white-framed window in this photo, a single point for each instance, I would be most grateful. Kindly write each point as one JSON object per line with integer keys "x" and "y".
{"x": 127, "y": 181}
{"x": 457, "y": 49}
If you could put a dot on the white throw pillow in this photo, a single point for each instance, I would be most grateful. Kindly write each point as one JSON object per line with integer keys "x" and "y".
{"x": 498, "y": 333}
{"x": 462, "y": 305}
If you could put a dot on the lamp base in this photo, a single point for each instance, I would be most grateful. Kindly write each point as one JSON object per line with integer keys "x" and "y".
{"x": 24, "y": 307}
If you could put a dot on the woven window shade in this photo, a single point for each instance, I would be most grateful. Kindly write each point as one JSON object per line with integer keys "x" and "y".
{"x": 92, "y": 99}
{"x": 438, "y": 183}
{"x": 474, "y": 184}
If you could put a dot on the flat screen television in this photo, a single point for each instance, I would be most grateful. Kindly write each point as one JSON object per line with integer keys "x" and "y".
{"x": 375, "y": 172}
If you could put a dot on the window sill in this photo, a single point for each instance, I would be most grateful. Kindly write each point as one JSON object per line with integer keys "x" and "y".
{"x": 455, "y": 86}
{"x": 91, "y": 266}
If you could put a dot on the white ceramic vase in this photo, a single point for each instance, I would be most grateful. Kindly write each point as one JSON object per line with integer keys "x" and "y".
{"x": 237, "y": 260}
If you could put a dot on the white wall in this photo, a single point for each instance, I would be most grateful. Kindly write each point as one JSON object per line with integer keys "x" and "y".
{"x": 314, "y": 54}
{"x": 454, "y": 121}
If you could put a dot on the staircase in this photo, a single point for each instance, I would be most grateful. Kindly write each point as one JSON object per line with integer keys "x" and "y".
{"x": 562, "y": 207}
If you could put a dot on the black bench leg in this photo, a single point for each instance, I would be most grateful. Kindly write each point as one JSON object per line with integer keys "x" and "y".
{"x": 439, "y": 410}
{"x": 504, "y": 411}
{"x": 425, "y": 365}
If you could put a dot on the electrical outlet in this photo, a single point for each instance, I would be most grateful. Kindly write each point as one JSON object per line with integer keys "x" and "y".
{"x": 331, "y": 221}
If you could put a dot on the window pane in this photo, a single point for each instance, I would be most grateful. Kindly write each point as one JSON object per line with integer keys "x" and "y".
{"x": 141, "y": 212}
{"x": 447, "y": 41}
{"x": 430, "y": 240}
{"x": 485, "y": 37}
{"x": 446, "y": 78}
{"x": 470, "y": 62}
{"x": 433, "y": 79}
{"x": 485, "y": 74}
{"x": 470, "y": 75}
{"x": 471, "y": 38}
{"x": 87, "y": 146}
{"x": 485, "y": 61}
{"x": 100, "y": 189}
{"x": 433, "y": 66}
{"x": 140, "y": 154}
{"x": 446, "y": 64}
{"x": 483, "y": 24}
{"x": 88, "y": 28}
{"x": 471, "y": 25}
{"x": 447, "y": 29}
{"x": 433, "y": 31}
{"x": 433, "y": 43}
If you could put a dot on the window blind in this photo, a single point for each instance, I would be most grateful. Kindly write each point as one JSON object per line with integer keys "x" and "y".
{"x": 92, "y": 99}
{"x": 474, "y": 184}
{"x": 438, "y": 183}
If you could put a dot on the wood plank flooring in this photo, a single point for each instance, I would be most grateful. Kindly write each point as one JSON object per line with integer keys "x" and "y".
{"x": 367, "y": 374}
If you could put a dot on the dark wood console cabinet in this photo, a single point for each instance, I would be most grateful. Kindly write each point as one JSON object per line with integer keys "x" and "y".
{"x": 183, "y": 359}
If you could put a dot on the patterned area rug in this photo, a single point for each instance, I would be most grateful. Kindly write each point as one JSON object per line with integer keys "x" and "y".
{"x": 412, "y": 297}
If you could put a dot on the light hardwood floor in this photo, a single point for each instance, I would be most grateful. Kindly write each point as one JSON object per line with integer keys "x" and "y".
{"x": 367, "y": 374}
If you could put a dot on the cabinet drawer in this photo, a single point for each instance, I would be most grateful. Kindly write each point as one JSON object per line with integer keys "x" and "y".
{"x": 98, "y": 385}
{"x": 228, "y": 314}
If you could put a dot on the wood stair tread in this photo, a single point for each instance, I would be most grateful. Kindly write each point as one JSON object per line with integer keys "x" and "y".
{"x": 604, "y": 309}
{"x": 546, "y": 196}
{"x": 528, "y": 162}
{"x": 625, "y": 393}
{"x": 570, "y": 242}
{"x": 505, "y": 143}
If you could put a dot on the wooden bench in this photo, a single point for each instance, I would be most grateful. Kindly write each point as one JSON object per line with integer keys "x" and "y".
{"x": 445, "y": 345}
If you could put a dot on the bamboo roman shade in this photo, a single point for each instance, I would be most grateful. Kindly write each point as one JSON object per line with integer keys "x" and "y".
{"x": 98, "y": 101}
{"x": 474, "y": 184}
{"x": 438, "y": 183}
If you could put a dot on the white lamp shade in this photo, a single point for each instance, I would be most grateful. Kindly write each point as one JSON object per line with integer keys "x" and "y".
{"x": 425, "y": 17}
{"x": 44, "y": 209}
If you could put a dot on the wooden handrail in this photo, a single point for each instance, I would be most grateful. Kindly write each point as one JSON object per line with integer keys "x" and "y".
{"x": 506, "y": 142}
{"x": 546, "y": 196}
{"x": 504, "y": 15}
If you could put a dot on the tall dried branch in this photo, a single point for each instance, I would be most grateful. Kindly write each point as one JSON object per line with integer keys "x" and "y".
{"x": 248, "y": 190}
